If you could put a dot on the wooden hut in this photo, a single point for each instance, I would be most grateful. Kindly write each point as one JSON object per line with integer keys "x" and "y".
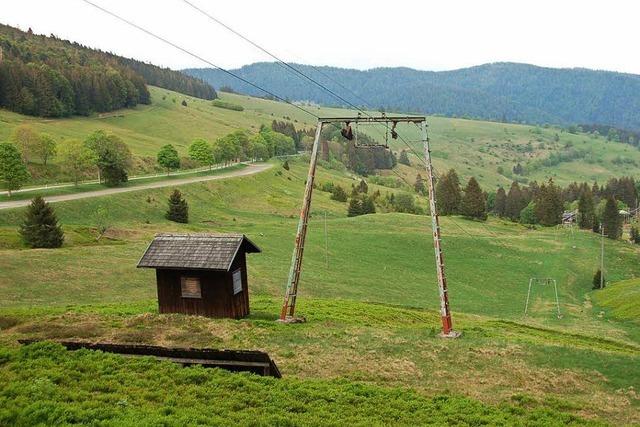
{"x": 203, "y": 274}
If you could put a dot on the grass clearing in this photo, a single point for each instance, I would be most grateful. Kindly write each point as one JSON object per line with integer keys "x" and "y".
{"x": 372, "y": 314}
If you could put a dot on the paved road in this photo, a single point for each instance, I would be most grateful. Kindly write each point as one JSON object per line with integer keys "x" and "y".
{"x": 249, "y": 170}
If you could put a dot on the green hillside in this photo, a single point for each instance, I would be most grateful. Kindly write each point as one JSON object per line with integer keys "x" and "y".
{"x": 621, "y": 300}
{"x": 372, "y": 312}
{"x": 486, "y": 150}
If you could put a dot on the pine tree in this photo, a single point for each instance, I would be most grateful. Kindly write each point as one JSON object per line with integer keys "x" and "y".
{"x": 419, "y": 186}
{"x": 448, "y": 193}
{"x": 515, "y": 202}
{"x": 586, "y": 210}
{"x": 178, "y": 208}
{"x": 611, "y": 219}
{"x": 338, "y": 194}
{"x": 40, "y": 228}
{"x": 362, "y": 187}
{"x": 355, "y": 207}
{"x": 500, "y": 203}
{"x": 404, "y": 158}
{"x": 549, "y": 207}
{"x": 473, "y": 202}
{"x": 368, "y": 207}
{"x": 598, "y": 282}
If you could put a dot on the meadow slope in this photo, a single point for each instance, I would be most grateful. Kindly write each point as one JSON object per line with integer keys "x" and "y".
{"x": 372, "y": 312}
{"x": 474, "y": 148}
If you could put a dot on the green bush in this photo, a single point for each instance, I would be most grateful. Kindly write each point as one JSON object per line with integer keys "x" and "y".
{"x": 226, "y": 105}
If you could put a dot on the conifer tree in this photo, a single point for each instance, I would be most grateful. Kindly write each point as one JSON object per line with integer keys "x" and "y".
{"x": 338, "y": 194}
{"x": 419, "y": 185}
{"x": 368, "y": 207}
{"x": 500, "y": 203}
{"x": 473, "y": 202}
{"x": 362, "y": 187}
{"x": 515, "y": 202}
{"x": 355, "y": 207}
{"x": 404, "y": 158}
{"x": 178, "y": 208}
{"x": 40, "y": 228}
{"x": 448, "y": 193}
{"x": 548, "y": 208}
{"x": 611, "y": 220}
{"x": 586, "y": 211}
{"x": 598, "y": 281}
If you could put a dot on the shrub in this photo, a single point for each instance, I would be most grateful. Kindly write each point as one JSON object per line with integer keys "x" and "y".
{"x": 227, "y": 105}
{"x": 338, "y": 194}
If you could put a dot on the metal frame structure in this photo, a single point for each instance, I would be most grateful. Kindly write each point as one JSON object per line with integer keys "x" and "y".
{"x": 287, "y": 314}
{"x": 542, "y": 281}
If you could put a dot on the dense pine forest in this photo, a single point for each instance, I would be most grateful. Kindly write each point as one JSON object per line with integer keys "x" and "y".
{"x": 506, "y": 92}
{"x": 49, "y": 77}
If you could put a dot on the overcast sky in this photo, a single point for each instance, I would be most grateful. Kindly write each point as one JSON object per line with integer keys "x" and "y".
{"x": 427, "y": 35}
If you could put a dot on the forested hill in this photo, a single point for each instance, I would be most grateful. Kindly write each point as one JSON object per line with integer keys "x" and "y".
{"x": 50, "y": 77}
{"x": 500, "y": 91}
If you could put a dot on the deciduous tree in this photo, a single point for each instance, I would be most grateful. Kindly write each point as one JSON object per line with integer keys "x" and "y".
{"x": 113, "y": 157}
{"x": 13, "y": 172}
{"x": 76, "y": 158}
{"x": 200, "y": 151}
{"x": 168, "y": 158}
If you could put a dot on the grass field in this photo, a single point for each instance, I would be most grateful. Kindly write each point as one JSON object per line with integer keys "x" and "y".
{"x": 372, "y": 313}
{"x": 621, "y": 300}
{"x": 473, "y": 147}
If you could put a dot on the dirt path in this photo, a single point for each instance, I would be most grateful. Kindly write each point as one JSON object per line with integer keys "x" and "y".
{"x": 249, "y": 170}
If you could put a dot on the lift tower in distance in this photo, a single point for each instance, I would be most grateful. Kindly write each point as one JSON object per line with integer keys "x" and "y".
{"x": 287, "y": 314}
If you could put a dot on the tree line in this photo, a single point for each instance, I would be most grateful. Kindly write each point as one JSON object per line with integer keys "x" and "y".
{"x": 109, "y": 156}
{"x": 49, "y": 77}
{"x": 591, "y": 206}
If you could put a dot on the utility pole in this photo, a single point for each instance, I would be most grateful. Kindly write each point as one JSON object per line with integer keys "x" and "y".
{"x": 445, "y": 312}
{"x": 601, "y": 256}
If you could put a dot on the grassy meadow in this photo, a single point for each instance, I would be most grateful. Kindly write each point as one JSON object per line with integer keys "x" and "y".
{"x": 372, "y": 327}
{"x": 474, "y": 148}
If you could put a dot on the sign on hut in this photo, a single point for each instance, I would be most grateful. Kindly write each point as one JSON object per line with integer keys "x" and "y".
{"x": 203, "y": 274}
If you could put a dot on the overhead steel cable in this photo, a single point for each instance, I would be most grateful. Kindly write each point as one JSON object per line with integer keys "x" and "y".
{"x": 198, "y": 57}
{"x": 295, "y": 70}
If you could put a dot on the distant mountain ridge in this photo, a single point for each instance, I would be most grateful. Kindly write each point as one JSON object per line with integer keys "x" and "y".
{"x": 499, "y": 91}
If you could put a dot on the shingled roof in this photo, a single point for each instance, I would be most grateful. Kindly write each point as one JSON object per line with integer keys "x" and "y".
{"x": 195, "y": 251}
